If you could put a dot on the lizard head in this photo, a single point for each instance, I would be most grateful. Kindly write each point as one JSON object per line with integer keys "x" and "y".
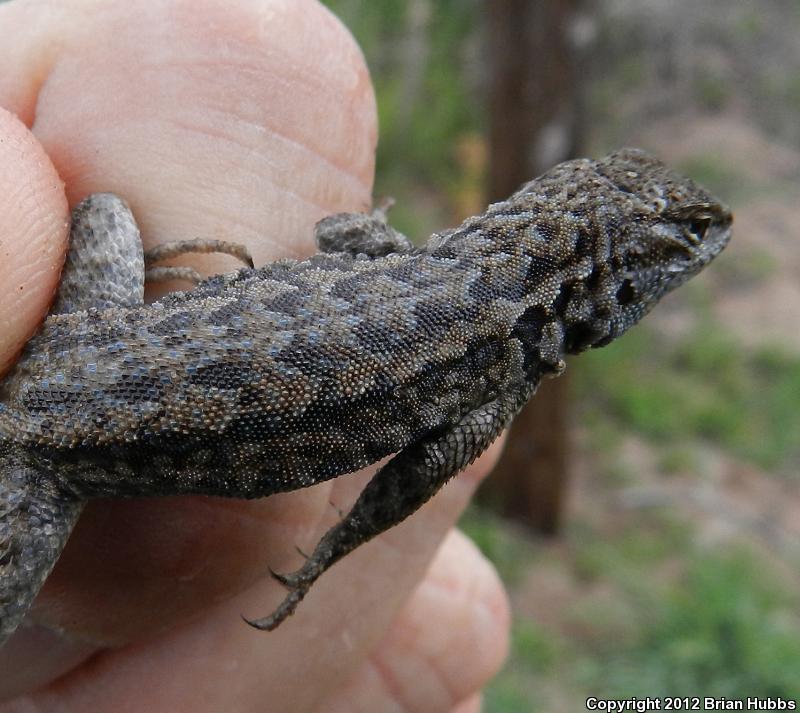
{"x": 661, "y": 229}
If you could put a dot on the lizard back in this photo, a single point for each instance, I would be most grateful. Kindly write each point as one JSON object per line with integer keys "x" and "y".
{"x": 310, "y": 369}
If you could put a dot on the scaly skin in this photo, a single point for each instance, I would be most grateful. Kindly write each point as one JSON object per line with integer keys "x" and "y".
{"x": 276, "y": 378}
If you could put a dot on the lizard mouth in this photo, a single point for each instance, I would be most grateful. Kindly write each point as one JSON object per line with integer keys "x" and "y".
{"x": 720, "y": 232}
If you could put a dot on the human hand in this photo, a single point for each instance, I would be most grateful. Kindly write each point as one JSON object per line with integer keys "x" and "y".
{"x": 244, "y": 121}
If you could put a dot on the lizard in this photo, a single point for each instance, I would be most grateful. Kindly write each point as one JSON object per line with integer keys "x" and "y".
{"x": 275, "y": 378}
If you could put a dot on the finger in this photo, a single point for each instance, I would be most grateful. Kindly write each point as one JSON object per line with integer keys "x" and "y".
{"x": 420, "y": 665}
{"x": 474, "y": 704}
{"x": 213, "y": 119}
{"x": 33, "y": 234}
{"x": 358, "y": 599}
{"x": 460, "y": 607}
{"x": 252, "y": 120}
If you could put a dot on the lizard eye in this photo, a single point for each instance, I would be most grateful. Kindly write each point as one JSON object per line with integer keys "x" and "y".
{"x": 698, "y": 227}
{"x": 626, "y": 293}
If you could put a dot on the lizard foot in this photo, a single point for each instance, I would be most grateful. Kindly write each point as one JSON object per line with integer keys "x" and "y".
{"x": 298, "y": 583}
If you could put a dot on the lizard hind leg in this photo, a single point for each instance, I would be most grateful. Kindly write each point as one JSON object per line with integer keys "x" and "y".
{"x": 177, "y": 248}
{"x": 396, "y": 491}
{"x": 36, "y": 518}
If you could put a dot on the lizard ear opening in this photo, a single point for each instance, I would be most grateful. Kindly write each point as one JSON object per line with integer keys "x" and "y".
{"x": 585, "y": 335}
{"x": 626, "y": 292}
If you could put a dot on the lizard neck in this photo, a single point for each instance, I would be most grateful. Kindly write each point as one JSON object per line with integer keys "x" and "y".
{"x": 558, "y": 267}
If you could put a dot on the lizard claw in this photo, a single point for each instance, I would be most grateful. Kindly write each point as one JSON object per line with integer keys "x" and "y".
{"x": 298, "y": 585}
{"x": 286, "y": 609}
{"x": 284, "y": 579}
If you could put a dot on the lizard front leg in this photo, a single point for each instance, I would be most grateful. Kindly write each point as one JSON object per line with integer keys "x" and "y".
{"x": 360, "y": 234}
{"x": 398, "y": 490}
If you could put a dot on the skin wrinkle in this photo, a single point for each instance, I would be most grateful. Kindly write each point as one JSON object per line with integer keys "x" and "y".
{"x": 389, "y": 682}
{"x": 32, "y": 248}
{"x": 339, "y": 167}
{"x": 465, "y": 605}
{"x": 312, "y": 83}
{"x": 449, "y": 686}
{"x": 424, "y": 661}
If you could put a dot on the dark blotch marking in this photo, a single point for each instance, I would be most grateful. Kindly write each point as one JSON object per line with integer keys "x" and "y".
{"x": 593, "y": 281}
{"x": 223, "y": 375}
{"x": 540, "y": 266}
{"x": 562, "y": 299}
{"x": 580, "y": 336}
{"x": 528, "y": 330}
{"x": 288, "y": 302}
{"x": 175, "y": 322}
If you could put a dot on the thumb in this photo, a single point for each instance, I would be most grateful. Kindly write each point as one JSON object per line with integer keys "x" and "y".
{"x": 34, "y": 220}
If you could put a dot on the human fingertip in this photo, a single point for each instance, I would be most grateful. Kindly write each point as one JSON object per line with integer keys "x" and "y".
{"x": 34, "y": 224}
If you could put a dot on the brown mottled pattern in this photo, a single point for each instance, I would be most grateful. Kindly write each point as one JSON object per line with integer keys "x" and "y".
{"x": 276, "y": 378}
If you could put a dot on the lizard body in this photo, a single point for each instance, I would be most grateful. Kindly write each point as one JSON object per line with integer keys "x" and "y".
{"x": 276, "y": 378}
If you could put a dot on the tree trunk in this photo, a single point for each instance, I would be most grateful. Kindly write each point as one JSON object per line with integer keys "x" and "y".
{"x": 536, "y": 122}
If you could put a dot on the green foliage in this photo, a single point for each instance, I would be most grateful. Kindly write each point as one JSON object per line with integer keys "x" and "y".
{"x": 650, "y": 614}
{"x": 424, "y": 74}
{"x": 674, "y": 619}
{"x": 747, "y": 268}
{"x": 424, "y": 107}
{"x": 792, "y": 90}
{"x": 533, "y": 646}
{"x": 722, "y": 629}
{"x": 509, "y": 552}
{"x": 535, "y": 652}
{"x": 636, "y": 547}
{"x": 712, "y": 92}
{"x": 677, "y": 459}
{"x": 505, "y": 695}
{"x": 706, "y": 386}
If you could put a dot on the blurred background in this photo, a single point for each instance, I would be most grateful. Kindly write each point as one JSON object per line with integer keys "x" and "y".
{"x": 646, "y": 515}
